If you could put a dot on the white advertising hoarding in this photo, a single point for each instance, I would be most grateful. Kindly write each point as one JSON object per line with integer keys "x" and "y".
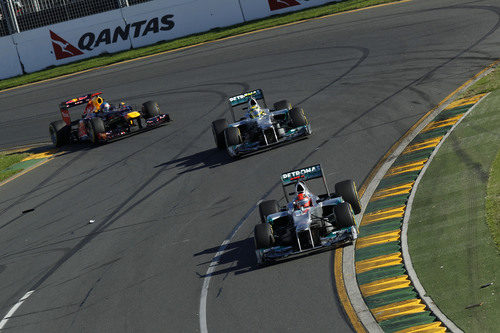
{"x": 9, "y": 61}
{"x": 255, "y": 9}
{"x": 121, "y": 29}
{"x": 71, "y": 41}
{"x": 164, "y": 20}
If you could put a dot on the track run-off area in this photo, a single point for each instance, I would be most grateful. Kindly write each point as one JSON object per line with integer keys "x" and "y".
{"x": 164, "y": 201}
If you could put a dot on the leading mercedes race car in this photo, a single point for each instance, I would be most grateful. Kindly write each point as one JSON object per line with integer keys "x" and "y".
{"x": 261, "y": 127}
{"x": 309, "y": 222}
{"x": 101, "y": 122}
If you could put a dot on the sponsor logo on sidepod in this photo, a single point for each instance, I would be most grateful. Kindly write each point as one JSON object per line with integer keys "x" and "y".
{"x": 89, "y": 40}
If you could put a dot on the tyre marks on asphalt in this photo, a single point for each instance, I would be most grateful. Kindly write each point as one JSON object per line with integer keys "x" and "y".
{"x": 380, "y": 271}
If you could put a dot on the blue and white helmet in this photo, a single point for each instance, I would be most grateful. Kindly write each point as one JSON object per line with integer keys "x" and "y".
{"x": 254, "y": 109}
{"x": 105, "y": 107}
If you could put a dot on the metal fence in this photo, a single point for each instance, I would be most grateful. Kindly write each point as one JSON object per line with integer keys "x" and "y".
{"x": 21, "y": 15}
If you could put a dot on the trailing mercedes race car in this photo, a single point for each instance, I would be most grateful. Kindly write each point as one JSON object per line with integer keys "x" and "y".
{"x": 309, "y": 222}
{"x": 101, "y": 122}
{"x": 260, "y": 127}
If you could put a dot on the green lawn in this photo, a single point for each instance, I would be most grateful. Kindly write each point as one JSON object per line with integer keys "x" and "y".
{"x": 451, "y": 244}
{"x": 493, "y": 201}
{"x": 7, "y": 160}
{"x": 191, "y": 40}
{"x": 486, "y": 84}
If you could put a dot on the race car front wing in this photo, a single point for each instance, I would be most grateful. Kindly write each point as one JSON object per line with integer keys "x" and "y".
{"x": 250, "y": 147}
{"x": 335, "y": 238}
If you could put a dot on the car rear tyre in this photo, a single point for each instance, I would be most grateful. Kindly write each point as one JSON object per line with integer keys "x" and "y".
{"x": 150, "y": 109}
{"x": 59, "y": 133}
{"x": 298, "y": 117}
{"x": 267, "y": 208}
{"x": 233, "y": 136}
{"x": 347, "y": 189}
{"x": 263, "y": 234}
{"x": 218, "y": 128}
{"x": 344, "y": 215}
{"x": 96, "y": 127}
{"x": 284, "y": 104}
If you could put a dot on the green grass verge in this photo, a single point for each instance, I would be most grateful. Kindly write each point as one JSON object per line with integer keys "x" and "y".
{"x": 486, "y": 84}
{"x": 493, "y": 201}
{"x": 6, "y": 161}
{"x": 452, "y": 248}
{"x": 215, "y": 34}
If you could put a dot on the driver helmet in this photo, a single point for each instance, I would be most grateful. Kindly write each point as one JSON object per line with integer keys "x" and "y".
{"x": 302, "y": 201}
{"x": 105, "y": 107}
{"x": 254, "y": 109}
{"x": 300, "y": 187}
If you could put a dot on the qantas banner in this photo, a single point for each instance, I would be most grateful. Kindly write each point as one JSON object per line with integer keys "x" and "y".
{"x": 9, "y": 60}
{"x": 255, "y": 9}
{"x": 71, "y": 41}
{"x": 122, "y": 29}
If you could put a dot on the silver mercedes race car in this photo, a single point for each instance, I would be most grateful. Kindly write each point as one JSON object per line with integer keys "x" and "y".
{"x": 308, "y": 222}
{"x": 260, "y": 127}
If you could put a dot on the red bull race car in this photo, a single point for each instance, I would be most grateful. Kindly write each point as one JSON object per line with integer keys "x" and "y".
{"x": 307, "y": 222}
{"x": 101, "y": 122}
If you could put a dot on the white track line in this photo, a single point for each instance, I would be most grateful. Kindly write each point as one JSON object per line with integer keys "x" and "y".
{"x": 211, "y": 268}
{"x": 14, "y": 308}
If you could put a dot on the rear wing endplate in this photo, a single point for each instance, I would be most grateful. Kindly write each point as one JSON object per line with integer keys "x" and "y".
{"x": 302, "y": 175}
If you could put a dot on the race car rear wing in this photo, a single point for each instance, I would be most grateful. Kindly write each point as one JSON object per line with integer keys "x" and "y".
{"x": 303, "y": 174}
{"x": 66, "y": 105}
{"x": 243, "y": 99}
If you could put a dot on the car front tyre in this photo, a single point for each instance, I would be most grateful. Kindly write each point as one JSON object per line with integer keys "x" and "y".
{"x": 347, "y": 189}
{"x": 266, "y": 208}
{"x": 298, "y": 117}
{"x": 344, "y": 215}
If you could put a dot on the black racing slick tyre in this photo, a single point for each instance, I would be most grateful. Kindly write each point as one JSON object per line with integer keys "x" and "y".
{"x": 266, "y": 208}
{"x": 347, "y": 189}
{"x": 150, "y": 109}
{"x": 344, "y": 215}
{"x": 96, "y": 127}
{"x": 298, "y": 117}
{"x": 233, "y": 136}
{"x": 284, "y": 104}
{"x": 218, "y": 128}
{"x": 263, "y": 234}
{"x": 59, "y": 133}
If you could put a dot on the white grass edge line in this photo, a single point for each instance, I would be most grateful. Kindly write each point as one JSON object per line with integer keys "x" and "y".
{"x": 404, "y": 234}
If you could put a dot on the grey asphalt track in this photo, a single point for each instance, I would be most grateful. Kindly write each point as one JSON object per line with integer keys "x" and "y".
{"x": 163, "y": 201}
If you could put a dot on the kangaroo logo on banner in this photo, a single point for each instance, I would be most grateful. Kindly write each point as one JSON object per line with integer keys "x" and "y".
{"x": 280, "y": 4}
{"x": 63, "y": 49}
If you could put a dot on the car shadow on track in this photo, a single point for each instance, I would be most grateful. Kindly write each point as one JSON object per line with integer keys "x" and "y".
{"x": 211, "y": 158}
{"x": 238, "y": 258}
